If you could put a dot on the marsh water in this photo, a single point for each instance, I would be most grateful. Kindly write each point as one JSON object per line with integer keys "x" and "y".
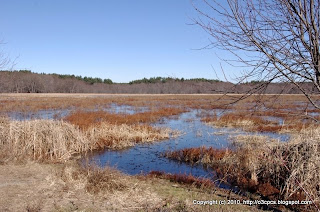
{"x": 143, "y": 158}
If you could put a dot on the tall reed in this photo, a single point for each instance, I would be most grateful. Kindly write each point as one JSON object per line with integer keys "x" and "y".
{"x": 59, "y": 140}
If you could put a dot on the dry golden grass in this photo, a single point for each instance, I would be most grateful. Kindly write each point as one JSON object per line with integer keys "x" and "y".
{"x": 59, "y": 141}
{"x": 272, "y": 169}
{"x": 41, "y": 140}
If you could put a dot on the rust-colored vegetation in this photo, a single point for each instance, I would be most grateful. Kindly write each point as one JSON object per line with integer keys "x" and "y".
{"x": 85, "y": 119}
{"x": 184, "y": 179}
{"x": 205, "y": 155}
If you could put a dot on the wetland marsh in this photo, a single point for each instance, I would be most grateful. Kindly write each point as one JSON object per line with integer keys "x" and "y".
{"x": 201, "y": 136}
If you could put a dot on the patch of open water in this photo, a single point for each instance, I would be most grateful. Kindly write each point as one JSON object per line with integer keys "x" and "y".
{"x": 60, "y": 113}
{"x": 144, "y": 158}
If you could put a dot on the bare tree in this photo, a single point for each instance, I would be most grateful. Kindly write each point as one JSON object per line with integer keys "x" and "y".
{"x": 277, "y": 40}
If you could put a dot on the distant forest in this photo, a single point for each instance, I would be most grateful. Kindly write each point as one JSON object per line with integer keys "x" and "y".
{"x": 25, "y": 81}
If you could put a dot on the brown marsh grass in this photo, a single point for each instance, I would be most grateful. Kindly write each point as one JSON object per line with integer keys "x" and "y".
{"x": 94, "y": 179}
{"x": 248, "y": 113}
{"x": 85, "y": 119}
{"x": 41, "y": 139}
{"x": 35, "y": 102}
{"x": 59, "y": 140}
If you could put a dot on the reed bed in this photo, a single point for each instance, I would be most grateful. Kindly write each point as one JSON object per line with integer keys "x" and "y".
{"x": 54, "y": 140}
{"x": 41, "y": 140}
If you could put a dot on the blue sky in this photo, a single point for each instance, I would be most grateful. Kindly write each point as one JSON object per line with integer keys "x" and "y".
{"x": 118, "y": 39}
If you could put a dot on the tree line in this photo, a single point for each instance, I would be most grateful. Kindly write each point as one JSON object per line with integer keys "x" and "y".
{"x": 168, "y": 79}
{"x": 25, "y": 81}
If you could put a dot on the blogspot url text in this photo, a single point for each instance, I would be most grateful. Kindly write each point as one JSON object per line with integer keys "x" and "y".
{"x": 251, "y": 202}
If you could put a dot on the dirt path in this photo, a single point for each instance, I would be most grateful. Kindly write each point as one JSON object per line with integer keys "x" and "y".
{"x": 51, "y": 187}
{"x": 29, "y": 186}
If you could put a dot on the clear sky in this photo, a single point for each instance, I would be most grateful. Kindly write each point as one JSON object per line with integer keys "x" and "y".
{"x": 118, "y": 39}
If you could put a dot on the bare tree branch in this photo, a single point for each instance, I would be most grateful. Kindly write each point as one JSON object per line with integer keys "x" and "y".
{"x": 277, "y": 40}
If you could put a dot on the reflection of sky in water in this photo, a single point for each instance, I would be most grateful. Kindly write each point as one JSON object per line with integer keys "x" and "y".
{"x": 41, "y": 114}
{"x": 57, "y": 114}
{"x": 144, "y": 158}
{"x": 127, "y": 109}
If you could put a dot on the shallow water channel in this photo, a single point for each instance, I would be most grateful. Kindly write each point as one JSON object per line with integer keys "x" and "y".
{"x": 143, "y": 158}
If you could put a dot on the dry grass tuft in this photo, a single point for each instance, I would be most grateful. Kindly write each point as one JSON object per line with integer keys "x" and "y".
{"x": 103, "y": 179}
{"x": 300, "y": 163}
{"x": 94, "y": 179}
